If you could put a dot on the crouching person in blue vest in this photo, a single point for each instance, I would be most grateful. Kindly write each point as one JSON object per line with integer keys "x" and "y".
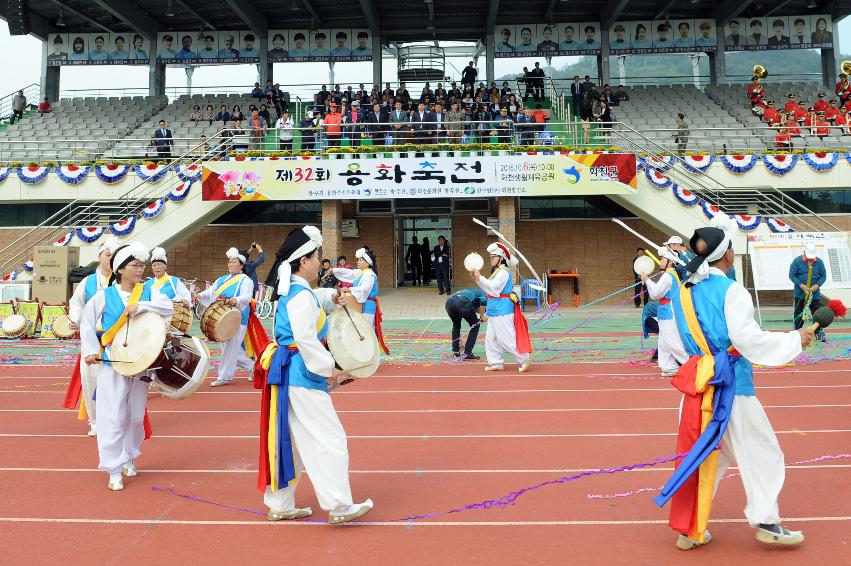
{"x": 300, "y": 429}
{"x": 120, "y": 400}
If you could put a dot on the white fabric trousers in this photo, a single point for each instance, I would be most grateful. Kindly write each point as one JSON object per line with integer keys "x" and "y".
{"x": 672, "y": 353}
{"x": 233, "y": 356}
{"x": 121, "y": 413}
{"x": 501, "y": 338}
{"x": 751, "y": 443}
{"x": 89, "y": 381}
{"x": 320, "y": 447}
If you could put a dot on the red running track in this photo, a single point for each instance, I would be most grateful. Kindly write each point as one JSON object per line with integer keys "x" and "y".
{"x": 422, "y": 440}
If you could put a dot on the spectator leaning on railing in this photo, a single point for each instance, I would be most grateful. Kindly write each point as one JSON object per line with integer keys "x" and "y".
{"x": 682, "y": 133}
{"x": 285, "y": 132}
{"x": 308, "y": 127}
{"x": 331, "y": 125}
{"x": 378, "y": 119}
{"x": 257, "y": 125}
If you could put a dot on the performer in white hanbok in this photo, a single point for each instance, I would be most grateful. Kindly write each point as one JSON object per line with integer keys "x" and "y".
{"x": 300, "y": 428}
{"x": 120, "y": 400}
{"x": 84, "y": 378}
{"x": 715, "y": 318}
{"x": 671, "y": 354}
{"x": 237, "y": 289}
{"x": 168, "y": 285}
{"x": 507, "y": 327}
{"x": 364, "y": 290}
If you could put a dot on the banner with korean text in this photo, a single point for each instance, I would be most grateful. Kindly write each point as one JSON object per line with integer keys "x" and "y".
{"x": 421, "y": 177}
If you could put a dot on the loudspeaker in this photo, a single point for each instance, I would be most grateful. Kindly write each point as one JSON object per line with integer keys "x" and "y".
{"x": 18, "y": 17}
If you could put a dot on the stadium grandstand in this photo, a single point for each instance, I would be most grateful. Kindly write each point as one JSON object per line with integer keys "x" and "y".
{"x": 461, "y": 125}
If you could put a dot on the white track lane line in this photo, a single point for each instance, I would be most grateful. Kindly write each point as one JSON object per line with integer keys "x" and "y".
{"x": 260, "y": 521}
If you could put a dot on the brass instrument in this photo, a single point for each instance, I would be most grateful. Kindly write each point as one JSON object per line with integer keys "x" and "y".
{"x": 760, "y": 72}
{"x": 845, "y": 67}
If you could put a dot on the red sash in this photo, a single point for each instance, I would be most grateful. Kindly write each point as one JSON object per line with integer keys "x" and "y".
{"x": 378, "y": 333}
{"x": 75, "y": 387}
{"x": 521, "y": 328}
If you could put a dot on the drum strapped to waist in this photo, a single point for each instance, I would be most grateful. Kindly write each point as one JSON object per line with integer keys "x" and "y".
{"x": 181, "y": 320}
{"x": 220, "y": 321}
{"x": 357, "y": 357}
{"x": 62, "y": 327}
{"x": 145, "y": 349}
{"x": 14, "y": 327}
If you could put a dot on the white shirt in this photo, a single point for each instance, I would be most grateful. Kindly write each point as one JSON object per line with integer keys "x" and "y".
{"x": 78, "y": 299}
{"x": 360, "y": 291}
{"x": 285, "y": 127}
{"x": 93, "y": 312}
{"x": 494, "y": 286}
{"x": 303, "y": 313}
{"x": 244, "y": 293}
{"x": 657, "y": 289}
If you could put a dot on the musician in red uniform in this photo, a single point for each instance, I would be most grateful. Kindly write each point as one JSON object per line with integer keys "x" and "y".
{"x": 759, "y": 109}
{"x": 792, "y": 125}
{"x": 755, "y": 91}
{"x": 822, "y": 128}
{"x": 800, "y": 112}
{"x": 842, "y": 123}
{"x": 831, "y": 113}
{"x": 790, "y": 103}
{"x": 822, "y": 104}
{"x": 843, "y": 89}
{"x": 771, "y": 116}
{"x": 783, "y": 138}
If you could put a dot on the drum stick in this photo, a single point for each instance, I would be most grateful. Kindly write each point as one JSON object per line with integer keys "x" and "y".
{"x": 127, "y": 331}
{"x": 642, "y": 238}
{"x": 345, "y": 308}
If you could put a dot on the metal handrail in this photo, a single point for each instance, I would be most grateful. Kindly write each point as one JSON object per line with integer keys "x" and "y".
{"x": 100, "y": 213}
{"x": 32, "y": 92}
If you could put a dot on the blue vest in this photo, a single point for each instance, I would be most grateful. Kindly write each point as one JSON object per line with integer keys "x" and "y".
{"x": 368, "y": 306}
{"x": 501, "y": 306}
{"x": 90, "y": 286}
{"x": 708, "y": 297}
{"x": 233, "y": 291}
{"x": 115, "y": 306}
{"x": 299, "y": 375}
{"x": 666, "y": 312}
{"x": 169, "y": 289}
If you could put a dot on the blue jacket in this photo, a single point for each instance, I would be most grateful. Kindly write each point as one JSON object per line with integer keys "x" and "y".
{"x": 798, "y": 275}
{"x": 251, "y": 266}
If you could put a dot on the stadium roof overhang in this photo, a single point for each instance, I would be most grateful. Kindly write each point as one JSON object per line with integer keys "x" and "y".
{"x": 417, "y": 20}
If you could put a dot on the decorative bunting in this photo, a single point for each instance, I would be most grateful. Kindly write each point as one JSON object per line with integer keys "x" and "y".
{"x": 780, "y": 164}
{"x": 73, "y": 174}
{"x": 739, "y": 163}
{"x": 656, "y": 178}
{"x": 11, "y": 276}
{"x": 4, "y": 172}
{"x": 123, "y": 227}
{"x": 778, "y": 226}
{"x": 179, "y": 193}
{"x": 697, "y": 163}
{"x": 90, "y": 234}
{"x": 640, "y": 164}
{"x": 111, "y": 173}
{"x": 150, "y": 172}
{"x": 747, "y": 223}
{"x": 189, "y": 172}
{"x": 154, "y": 208}
{"x": 64, "y": 240}
{"x": 33, "y": 174}
{"x": 28, "y": 266}
{"x": 660, "y": 162}
{"x": 821, "y": 161}
{"x": 847, "y": 158}
{"x": 710, "y": 210}
{"x": 686, "y": 197}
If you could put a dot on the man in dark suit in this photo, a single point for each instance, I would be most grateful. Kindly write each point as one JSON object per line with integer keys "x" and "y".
{"x": 163, "y": 140}
{"x": 575, "y": 95}
{"x": 420, "y": 126}
{"x": 438, "y": 120}
{"x": 442, "y": 258}
{"x": 377, "y": 120}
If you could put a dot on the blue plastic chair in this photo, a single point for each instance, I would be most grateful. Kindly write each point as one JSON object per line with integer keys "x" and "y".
{"x": 528, "y": 293}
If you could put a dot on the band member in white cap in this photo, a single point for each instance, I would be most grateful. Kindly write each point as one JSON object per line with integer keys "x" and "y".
{"x": 364, "y": 289}
{"x": 85, "y": 377}
{"x": 671, "y": 353}
{"x": 715, "y": 318}
{"x": 507, "y": 328}
{"x": 300, "y": 428}
{"x": 168, "y": 285}
{"x": 237, "y": 289}
{"x": 120, "y": 400}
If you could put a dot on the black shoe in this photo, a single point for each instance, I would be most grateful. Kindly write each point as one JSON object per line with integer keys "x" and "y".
{"x": 471, "y": 357}
{"x": 456, "y": 354}
{"x": 440, "y": 293}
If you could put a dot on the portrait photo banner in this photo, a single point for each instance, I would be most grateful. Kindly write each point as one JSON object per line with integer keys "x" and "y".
{"x": 97, "y": 49}
{"x": 425, "y": 177}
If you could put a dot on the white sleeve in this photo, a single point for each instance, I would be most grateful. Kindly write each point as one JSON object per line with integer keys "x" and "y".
{"x": 494, "y": 286}
{"x": 757, "y": 345}
{"x": 657, "y": 289}
{"x": 326, "y": 298}
{"x": 159, "y": 303}
{"x": 303, "y": 312}
{"x": 347, "y": 275}
{"x": 89, "y": 343}
{"x": 207, "y": 296}
{"x": 246, "y": 292}
{"x": 77, "y": 303}
{"x": 181, "y": 292}
{"x": 361, "y": 291}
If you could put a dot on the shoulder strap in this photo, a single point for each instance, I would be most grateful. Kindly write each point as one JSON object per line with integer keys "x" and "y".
{"x": 230, "y": 283}
{"x": 691, "y": 320}
{"x": 109, "y": 335}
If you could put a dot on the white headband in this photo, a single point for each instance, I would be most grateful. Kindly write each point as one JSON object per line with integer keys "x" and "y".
{"x": 126, "y": 254}
{"x": 158, "y": 254}
{"x": 362, "y": 254}
{"x": 285, "y": 270}
{"x": 111, "y": 244}
{"x": 498, "y": 250}
{"x": 234, "y": 253}
{"x": 730, "y": 228}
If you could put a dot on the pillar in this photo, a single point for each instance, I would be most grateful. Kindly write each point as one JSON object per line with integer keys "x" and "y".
{"x": 376, "y": 61}
{"x": 507, "y": 214}
{"x": 330, "y": 75}
{"x": 332, "y": 228}
{"x": 622, "y": 69}
{"x": 829, "y": 65}
{"x": 156, "y": 77}
{"x": 264, "y": 67}
{"x": 490, "y": 57}
{"x": 49, "y": 77}
{"x": 603, "y": 73}
{"x": 718, "y": 60}
{"x": 190, "y": 71}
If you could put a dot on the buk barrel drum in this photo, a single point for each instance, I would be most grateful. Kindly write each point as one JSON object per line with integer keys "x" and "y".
{"x": 643, "y": 265}
{"x": 352, "y": 343}
{"x": 14, "y": 327}
{"x": 182, "y": 366}
{"x": 62, "y": 327}
{"x": 220, "y": 321}
{"x": 181, "y": 320}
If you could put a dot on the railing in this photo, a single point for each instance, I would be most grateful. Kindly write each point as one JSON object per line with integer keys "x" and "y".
{"x": 91, "y": 150}
{"x": 104, "y": 212}
{"x": 32, "y": 93}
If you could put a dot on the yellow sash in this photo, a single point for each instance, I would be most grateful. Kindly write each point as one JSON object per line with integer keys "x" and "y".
{"x": 109, "y": 335}
{"x": 230, "y": 283}
{"x": 705, "y": 371}
{"x": 158, "y": 284}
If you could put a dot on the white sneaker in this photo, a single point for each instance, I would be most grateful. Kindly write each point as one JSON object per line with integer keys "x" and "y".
{"x": 685, "y": 543}
{"x": 495, "y": 367}
{"x": 289, "y": 515}
{"x": 353, "y": 512}
{"x": 92, "y": 430}
{"x": 669, "y": 373}
{"x": 115, "y": 482}
{"x": 524, "y": 367}
{"x": 220, "y": 382}
{"x": 129, "y": 470}
{"x": 775, "y": 534}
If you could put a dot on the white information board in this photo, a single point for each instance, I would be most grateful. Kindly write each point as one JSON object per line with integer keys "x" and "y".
{"x": 772, "y": 254}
